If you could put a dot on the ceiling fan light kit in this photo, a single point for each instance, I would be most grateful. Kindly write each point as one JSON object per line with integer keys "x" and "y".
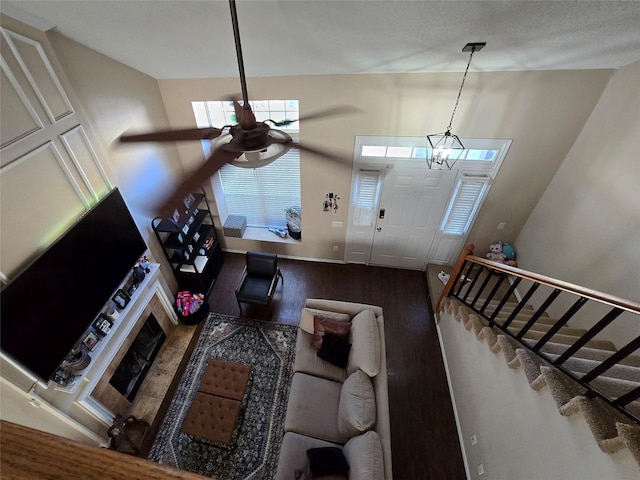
{"x": 444, "y": 149}
{"x": 264, "y": 154}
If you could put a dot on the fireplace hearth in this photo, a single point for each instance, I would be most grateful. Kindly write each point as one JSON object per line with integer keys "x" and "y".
{"x": 135, "y": 364}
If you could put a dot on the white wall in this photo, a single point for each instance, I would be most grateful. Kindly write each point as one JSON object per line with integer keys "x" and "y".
{"x": 24, "y": 409}
{"x": 520, "y": 433}
{"x": 117, "y": 98}
{"x": 37, "y": 192}
{"x": 543, "y": 112}
{"x": 585, "y": 229}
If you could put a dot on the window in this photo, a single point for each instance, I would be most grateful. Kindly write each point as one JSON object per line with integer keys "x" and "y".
{"x": 260, "y": 194}
{"x": 468, "y": 154}
{"x": 464, "y": 204}
{"x": 366, "y": 193}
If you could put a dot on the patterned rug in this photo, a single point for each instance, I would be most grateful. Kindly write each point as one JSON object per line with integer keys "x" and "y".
{"x": 270, "y": 350}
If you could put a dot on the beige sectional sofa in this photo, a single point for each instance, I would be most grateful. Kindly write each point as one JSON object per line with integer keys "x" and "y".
{"x": 334, "y": 407}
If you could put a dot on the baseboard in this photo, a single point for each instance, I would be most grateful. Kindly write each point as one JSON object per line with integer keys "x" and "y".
{"x": 453, "y": 402}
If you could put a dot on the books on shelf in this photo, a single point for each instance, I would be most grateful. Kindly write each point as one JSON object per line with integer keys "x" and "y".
{"x": 197, "y": 267}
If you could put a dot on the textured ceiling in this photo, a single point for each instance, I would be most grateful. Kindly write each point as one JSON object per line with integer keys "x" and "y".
{"x": 194, "y": 39}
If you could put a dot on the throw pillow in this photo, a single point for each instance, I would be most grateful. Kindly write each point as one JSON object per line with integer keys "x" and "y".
{"x": 322, "y": 325}
{"x": 365, "y": 457}
{"x": 365, "y": 339}
{"x": 307, "y": 314}
{"x": 335, "y": 350}
{"x": 327, "y": 461}
{"x": 308, "y": 475}
{"x": 357, "y": 407}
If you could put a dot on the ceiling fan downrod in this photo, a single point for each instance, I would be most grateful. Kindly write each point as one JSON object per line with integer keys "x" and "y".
{"x": 236, "y": 36}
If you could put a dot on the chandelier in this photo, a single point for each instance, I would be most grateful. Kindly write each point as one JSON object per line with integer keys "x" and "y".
{"x": 444, "y": 149}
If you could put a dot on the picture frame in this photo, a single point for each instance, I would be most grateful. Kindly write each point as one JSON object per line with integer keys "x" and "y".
{"x": 121, "y": 299}
{"x": 90, "y": 340}
{"x": 176, "y": 216}
{"x": 188, "y": 201}
{"x": 103, "y": 324}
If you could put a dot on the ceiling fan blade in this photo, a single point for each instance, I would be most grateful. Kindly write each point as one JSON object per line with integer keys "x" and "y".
{"x": 339, "y": 110}
{"x": 173, "y": 135}
{"x": 214, "y": 162}
{"x": 322, "y": 153}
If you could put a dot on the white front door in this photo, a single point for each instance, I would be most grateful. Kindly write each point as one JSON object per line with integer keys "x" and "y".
{"x": 411, "y": 205}
{"x": 414, "y": 200}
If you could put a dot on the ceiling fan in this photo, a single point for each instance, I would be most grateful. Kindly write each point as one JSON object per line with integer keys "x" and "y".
{"x": 249, "y": 143}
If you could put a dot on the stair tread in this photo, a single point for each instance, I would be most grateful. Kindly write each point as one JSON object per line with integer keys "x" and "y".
{"x": 542, "y": 327}
{"x": 589, "y": 353}
{"x": 584, "y": 365}
{"x": 613, "y": 387}
{"x": 526, "y": 316}
{"x": 570, "y": 340}
{"x": 507, "y": 307}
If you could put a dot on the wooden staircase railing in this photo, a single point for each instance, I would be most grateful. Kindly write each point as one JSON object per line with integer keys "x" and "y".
{"x": 488, "y": 289}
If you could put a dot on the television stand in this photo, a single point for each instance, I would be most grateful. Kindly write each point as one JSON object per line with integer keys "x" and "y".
{"x": 78, "y": 402}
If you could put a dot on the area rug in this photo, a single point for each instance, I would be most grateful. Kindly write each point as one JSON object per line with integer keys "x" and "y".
{"x": 270, "y": 350}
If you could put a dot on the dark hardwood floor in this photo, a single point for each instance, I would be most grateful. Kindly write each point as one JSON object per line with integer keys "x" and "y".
{"x": 423, "y": 432}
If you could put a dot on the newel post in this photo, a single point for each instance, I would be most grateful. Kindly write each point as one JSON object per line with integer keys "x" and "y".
{"x": 457, "y": 269}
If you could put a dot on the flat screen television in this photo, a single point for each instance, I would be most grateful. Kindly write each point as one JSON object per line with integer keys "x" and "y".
{"x": 50, "y": 304}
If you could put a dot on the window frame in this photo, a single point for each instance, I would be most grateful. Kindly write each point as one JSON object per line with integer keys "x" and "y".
{"x": 445, "y": 247}
{"x": 205, "y": 118}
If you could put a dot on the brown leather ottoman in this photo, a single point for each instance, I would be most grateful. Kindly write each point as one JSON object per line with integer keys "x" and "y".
{"x": 215, "y": 410}
{"x": 225, "y": 379}
{"x": 212, "y": 418}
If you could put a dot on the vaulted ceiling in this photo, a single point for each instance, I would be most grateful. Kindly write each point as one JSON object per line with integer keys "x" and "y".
{"x": 194, "y": 39}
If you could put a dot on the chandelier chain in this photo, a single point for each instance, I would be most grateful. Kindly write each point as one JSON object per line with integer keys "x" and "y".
{"x": 455, "y": 107}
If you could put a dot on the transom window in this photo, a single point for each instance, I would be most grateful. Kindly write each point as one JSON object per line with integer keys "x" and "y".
{"x": 389, "y": 151}
{"x": 220, "y": 113}
{"x": 261, "y": 194}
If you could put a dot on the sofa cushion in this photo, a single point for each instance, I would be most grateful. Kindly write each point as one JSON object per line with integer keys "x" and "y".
{"x": 365, "y": 340}
{"x": 308, "y": 475}
{"x": 357, "y": 407}
{"x": 323, "y": 326}
{"x": 293, "y": 454}
{"x": 327, "y": 461}
{"x": 313, "y": 408}
{"x": 307, "y": 314}
{"x": 308, "y": 361}
{"x": 335, "y": 350}
{"x": 365, "y": 458}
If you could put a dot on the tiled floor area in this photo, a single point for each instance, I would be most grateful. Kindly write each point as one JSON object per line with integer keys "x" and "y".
{"x": 154, "y": 388}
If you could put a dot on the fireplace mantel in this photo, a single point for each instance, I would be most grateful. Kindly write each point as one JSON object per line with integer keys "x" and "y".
{"x": 76, "y": 400}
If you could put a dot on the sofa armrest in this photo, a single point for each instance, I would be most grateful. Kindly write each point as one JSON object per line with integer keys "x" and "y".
{"x": 380, "y": 385}
{"x": 342, "y": 307}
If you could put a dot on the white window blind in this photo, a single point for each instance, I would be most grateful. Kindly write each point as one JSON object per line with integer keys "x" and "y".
{"x": 366, "y": 197}
{"x": 260, "y": 194}
{"x": 464, "y": 204}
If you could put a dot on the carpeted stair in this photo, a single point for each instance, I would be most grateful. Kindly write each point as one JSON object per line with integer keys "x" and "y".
{"x": 611, "y": 429}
